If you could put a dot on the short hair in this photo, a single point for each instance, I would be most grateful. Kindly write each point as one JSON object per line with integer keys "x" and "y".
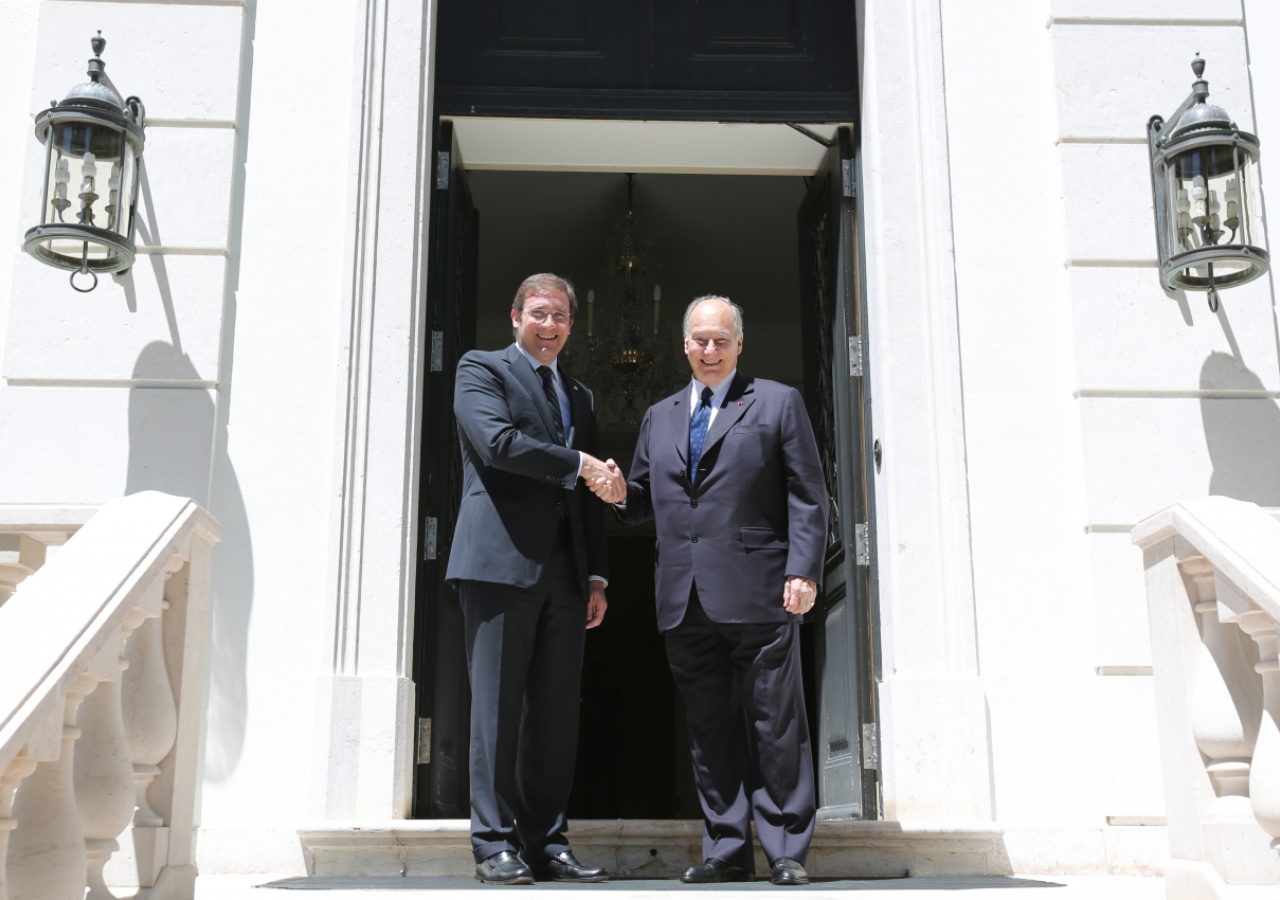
{"x": 737, "y": 313}
{"x": 545, "y": 283}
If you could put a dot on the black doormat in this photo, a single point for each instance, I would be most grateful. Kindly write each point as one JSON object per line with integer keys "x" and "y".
{"x": 648, "y": 885}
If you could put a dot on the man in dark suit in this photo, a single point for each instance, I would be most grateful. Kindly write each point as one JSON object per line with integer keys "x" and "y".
{"x": 530, "y": 564}
{"x": 729, "y": 469}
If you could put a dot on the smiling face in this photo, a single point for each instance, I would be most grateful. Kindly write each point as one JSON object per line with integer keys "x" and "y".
{"x": 542, "y": 326}
{"x": 712, "y": 346}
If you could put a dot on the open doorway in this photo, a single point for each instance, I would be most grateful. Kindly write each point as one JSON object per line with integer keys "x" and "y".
{"x": 775, "y": 244}
{"x": 728, "y": 234}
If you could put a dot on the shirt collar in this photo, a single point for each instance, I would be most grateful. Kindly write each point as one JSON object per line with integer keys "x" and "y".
{"x": 717, "y": 393}
{"x": 533, "y": 362}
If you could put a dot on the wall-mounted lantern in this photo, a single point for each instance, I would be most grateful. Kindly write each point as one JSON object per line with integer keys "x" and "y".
{"x": 1204, "y": 180}
{"x": 93, "y": 143}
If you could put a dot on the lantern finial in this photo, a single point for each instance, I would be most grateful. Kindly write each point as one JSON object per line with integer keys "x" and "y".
{"x": 1197, "y": 66}
{"x": 98, "y": 44}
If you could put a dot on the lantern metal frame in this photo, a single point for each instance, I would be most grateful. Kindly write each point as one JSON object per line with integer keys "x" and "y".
{"x": 95, "y": 104}
{"x": 1196, "y": 127}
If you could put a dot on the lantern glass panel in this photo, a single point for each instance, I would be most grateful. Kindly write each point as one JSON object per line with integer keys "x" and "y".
{"x": 85, "y": 185}
{"x": 1210, "y": 205}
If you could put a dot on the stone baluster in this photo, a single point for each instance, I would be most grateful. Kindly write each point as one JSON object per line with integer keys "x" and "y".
{"x": 151, "y": 723}
{"x": 12, "y": 775}
{"x": 104, "y": 781}
{"x": 1226, "y": 699}
{"x": 46, "y": 850}
{"x": 1264, "y": 773}
{"x": 20, "y": 555}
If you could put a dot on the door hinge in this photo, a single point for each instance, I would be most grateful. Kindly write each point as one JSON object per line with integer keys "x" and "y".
{"x": 848, "y": 178}
{"x": 861, "y": 546}
{"x": 855, "y": 356}
{"x": 424, "y": 741}
{"x": 429, "y": 551}
{"x": 442, "y": 170}
{"x": 870, "y": 746}
{"x": 437, "y": 351}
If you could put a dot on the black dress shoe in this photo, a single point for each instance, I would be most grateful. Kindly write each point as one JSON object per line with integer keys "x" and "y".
{"x": 788, "y": 871}
{"x": 714, "y": 871}
{"x": 565, "y": 867}
{"x": 503, "y": 868}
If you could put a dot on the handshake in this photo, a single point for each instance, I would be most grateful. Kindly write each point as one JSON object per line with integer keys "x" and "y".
{"x": 604, "y": 478}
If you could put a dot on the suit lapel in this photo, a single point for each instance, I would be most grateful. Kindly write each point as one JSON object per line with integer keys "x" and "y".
{"x": 680, "y": 424}
{"x": 579, "y": 407}
{"x": 532, "y": 385}
{"x": 736, "y": 402}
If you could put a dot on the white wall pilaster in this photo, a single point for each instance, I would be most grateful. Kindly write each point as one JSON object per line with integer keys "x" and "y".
{"x": 363, "y": 740}
{"x": 935, "y": 752}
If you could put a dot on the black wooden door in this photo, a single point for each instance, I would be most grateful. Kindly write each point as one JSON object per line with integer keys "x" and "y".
{"x": 759, "y": 60}
{"x": 441, "y": 788}
{"x": 835, "y": 388}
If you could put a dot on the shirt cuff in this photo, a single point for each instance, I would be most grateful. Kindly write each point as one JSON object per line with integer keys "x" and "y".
{"x": 603, "y": 581}
{"x": 571, "y": 480}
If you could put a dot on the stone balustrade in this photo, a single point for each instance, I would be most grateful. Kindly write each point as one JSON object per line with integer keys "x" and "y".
{"x": 101, "y": 667}
{"x": 1213, "y": 594}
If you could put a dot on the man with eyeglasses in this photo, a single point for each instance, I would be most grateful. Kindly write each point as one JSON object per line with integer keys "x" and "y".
{"x": 728, "y": 469}
{"x": 529, "y": 561}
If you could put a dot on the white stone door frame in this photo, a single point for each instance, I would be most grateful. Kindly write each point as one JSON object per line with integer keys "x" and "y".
{"x": 935, "y": 758}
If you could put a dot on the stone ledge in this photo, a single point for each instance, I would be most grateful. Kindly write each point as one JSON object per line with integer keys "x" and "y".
{"x": 639, "y": 848}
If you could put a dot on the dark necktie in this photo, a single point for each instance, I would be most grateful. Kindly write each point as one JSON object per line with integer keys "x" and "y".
{"x": 549, "y": 388}
{"x": 698, "y": 432}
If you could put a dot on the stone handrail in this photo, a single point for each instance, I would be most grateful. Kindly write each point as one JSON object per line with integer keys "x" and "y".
{"x": 1213, "y": 594}
{"x": 101, "y": 668}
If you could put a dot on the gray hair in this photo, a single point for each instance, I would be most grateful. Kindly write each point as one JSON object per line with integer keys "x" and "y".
{"x": 737, "y": 313}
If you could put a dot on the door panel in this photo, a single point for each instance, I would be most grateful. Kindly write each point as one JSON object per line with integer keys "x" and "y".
{"x": 440, "y": 666}
{"x": 836, "y": 398}
{"x": 758, "y": 60}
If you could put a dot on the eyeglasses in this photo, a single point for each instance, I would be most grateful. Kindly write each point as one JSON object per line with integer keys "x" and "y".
{"x": 541, "y": 315}
{"x": 708, "y": 343}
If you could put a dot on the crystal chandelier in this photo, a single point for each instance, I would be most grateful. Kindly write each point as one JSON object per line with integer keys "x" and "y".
{"x": 631, "y": 361}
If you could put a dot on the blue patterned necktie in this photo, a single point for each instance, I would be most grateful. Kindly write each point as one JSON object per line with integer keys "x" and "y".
{"x": 553, "y": 399}
{"x": 698, "y": 432}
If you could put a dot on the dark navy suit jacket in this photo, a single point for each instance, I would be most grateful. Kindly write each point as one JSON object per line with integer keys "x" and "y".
{"x": 756, "y": 513}
{"x": 516, "y": 479}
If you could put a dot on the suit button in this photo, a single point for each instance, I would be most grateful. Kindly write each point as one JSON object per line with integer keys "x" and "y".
{"x": 682, "y": 473}
{"x": 694, "y": 539}
{"x": 694, "y": 504}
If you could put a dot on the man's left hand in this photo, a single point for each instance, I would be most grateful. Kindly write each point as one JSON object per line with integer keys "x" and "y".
{"x": 596, "y": 605}
{"x": 799, "y": 594}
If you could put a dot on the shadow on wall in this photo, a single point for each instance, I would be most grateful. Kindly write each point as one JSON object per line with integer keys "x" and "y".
{"x": 171, "y": 443}
{"x": 1243, "y": 435}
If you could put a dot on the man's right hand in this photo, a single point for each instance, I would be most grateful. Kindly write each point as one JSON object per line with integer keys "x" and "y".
{"x": 604, "y": 478}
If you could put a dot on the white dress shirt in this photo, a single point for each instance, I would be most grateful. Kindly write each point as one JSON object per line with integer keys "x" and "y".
{"x": 717, "y": 395}
{"x": 566, "y": 419}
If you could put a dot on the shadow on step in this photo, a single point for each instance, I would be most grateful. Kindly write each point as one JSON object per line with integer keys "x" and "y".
{"x": 649, "y": 885}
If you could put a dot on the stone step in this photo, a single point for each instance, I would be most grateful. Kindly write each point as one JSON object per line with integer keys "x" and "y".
{"x": 640, "y": 848}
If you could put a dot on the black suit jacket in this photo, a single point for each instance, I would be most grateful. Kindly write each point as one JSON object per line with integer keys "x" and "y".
{"x": 516, "y": 478}
{"x": 757, "y": 512}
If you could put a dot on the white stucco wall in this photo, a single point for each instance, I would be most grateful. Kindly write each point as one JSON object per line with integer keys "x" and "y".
{"x": 210, "y": 369}
{"x": 1091, "y": 398}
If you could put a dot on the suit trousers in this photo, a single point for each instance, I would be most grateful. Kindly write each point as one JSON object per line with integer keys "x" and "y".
{"x": 524, "y": 656}
{"x": 749, "y": 733}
